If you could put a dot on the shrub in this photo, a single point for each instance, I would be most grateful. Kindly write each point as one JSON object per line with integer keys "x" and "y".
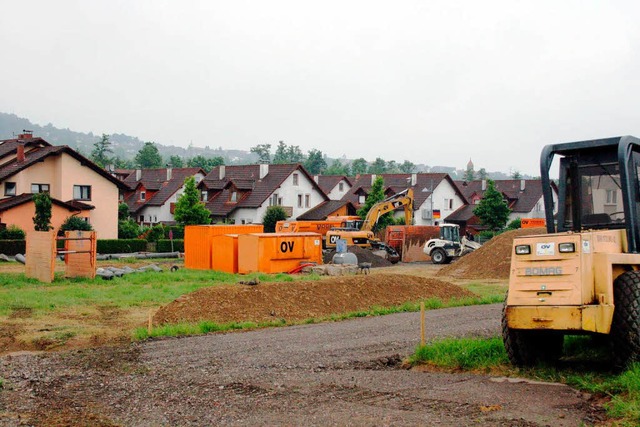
{"x": 12, "y": 247}
{"x": 12, "y": 232}
{"x": 116, "y": 246}
{"x": 155, "y": 233}
{"x": 178, "y": 232}
{"x": 164, "y": 245}
{"x": 272, "y": 215}
{"x": 128, "y": 229}
{"x": 516, "y": 223}
{"x": 74, "y": 223}
{"x": 123, "y": 212}
{"x": 42, "y": 219}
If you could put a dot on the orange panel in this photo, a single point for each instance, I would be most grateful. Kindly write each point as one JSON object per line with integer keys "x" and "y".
{"x": 533, "y": 222}
{"x": 225, "y": 253}
{"x": 198, "y": 240}
{"x": 277, "y": 252}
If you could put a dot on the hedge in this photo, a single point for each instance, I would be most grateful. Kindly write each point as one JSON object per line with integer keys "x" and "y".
{"x": 164, "y": 245}
{"x": 178, "y": 232}
{"x": 12, "y": 247}
{"x": 118, "y": 246}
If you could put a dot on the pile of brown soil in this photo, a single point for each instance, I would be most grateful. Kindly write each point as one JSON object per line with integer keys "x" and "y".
{"x": 299, "y": 300}
{"x": 492, "y": 260}
{"x": 363, "y": 255}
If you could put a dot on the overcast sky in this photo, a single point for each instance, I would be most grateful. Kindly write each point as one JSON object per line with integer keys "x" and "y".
{"x": 430, "y": 82}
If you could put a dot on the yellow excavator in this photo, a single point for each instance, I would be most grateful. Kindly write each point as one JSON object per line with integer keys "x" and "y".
{"x": 364, "y": 236}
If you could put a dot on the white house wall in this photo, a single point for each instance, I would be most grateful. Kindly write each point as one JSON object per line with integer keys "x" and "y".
{"x": 336, "y": 194}
{"x": 444, "y": 190}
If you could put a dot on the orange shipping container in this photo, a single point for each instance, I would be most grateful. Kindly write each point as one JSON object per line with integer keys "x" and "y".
{"x": 198, "y": 240}
{"x": 225, "y": 253}
{"x": 277, "y": 252}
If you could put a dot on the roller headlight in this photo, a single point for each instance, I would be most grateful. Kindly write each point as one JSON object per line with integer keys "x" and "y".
{"x": 566, "y": 247}
{"x": 523, "y": 249}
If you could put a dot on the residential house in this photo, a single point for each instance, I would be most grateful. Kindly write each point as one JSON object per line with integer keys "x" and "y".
{"x": 436, "y": 196}
{"x": 329, "y": 208}
{"x": 153, "y": 193}
{"x": 78, "y": 187}
{"x": 334, "y": 186}
{"x": 242, "y": 194}
{"x": 523, "y": 196}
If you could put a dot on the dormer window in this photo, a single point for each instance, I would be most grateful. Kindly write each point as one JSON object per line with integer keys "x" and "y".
{"x": 361, "y": 198}
{"x": 203, "y": 196}
{"x": 143, "y": 195}
{"x": 233, "y": 197}
{"x": 341, "y": 186}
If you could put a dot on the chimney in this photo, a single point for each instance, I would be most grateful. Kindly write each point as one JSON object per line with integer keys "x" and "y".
{"x": 20, "y": 152}
{"x": 26, "y": 134}
{"x": 315, "y": 178}
{"x": 484, "y": 184}
{"x": 373, "y": 178}
{"x": 264, "y": 170}
{"x": 522, "y": 184}
{"x": 138, "y": 174}
{"x": 221, "y": 172}
{"x": 414, "y": 179}
{"x": 169, "y": 174}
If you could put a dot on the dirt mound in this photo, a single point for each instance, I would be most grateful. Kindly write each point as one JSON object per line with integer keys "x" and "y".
{"x": 301, "y": 300}
{"x": 363, "y": 255}
{"x": 492, "y": 260}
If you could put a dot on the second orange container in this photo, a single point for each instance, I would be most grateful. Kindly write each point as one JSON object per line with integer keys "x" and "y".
{"x": 277, "y": 252}
{"x": 198, "y": 240}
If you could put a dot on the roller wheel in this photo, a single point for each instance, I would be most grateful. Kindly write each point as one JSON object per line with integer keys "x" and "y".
{"x": 529, "y": 347}
{"x": 625, "y": 327}
{"x": 438, "y": 256}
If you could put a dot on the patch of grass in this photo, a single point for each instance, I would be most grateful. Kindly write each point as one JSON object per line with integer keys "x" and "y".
{"x": 463, "y": 353}
{"x": 204, "y": 327}
{"x": 583, "y": 366}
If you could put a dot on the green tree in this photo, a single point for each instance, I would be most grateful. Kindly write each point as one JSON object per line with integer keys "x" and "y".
{"x": 359, "y": 166}
{"x": 516, "y": 223}
{"x": 205, "y": 163}
{"x": 175, "y": 161}
{"x": 378, "y": 166}
{"x": 42, "y": 219}
{"x": 315, "y": 163}
{"x": 74, "y": 223}
{"x": 189, "y": 209}
{"x": 101, "y": 151}
{"x": 392, "y": 167}
{"x": 337, "y": 168}
{"x": 492, "y": 210}
{"x": 272, "y": 215}
{"x": 280, "y": 156}
{"x": 149, "y": 156}
{"x": 515, "y": 174}
{"x": 263, "y": 151}
{"x": 123, "y": 211}
{"x": 120, "y": 163}
{"x": 407, "y": 167}
{"x": 128, "y": 229}
{"x": 295, "y": 154}
{"x": 482, "y": 173}
{"x": 375, "y": 196}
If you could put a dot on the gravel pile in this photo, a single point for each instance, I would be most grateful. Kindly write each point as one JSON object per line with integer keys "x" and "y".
{"x": 364, "y": 255}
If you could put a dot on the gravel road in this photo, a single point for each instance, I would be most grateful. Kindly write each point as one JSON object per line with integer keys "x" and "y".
{"x": 344, "y": 373}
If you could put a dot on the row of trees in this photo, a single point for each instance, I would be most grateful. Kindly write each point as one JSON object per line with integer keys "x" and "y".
{"x": 316, "y": 162}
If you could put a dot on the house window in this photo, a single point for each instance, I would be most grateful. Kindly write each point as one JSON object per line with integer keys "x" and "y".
{"x": 39, "y": 188}
{"x": 121, "y": 197}
{"x": 361, "y": 199}
{"x": 233, "y": 197}
{"x": 612, "y": 197}
{"x": 307, "y": 198}
{"x": 143, "y": 195}
{"x": 299, "y": 200}
{"x": 448, "y": 204}
{"x": 341, "y": 186}
{"x": 155, "y": 218}
{"x": 82, "y": 192}
{"x": 9, "y": 188}
{"x": 141, "y": 218}
{"x": 295, "y": 179}
{"x": 203, "y": 196}
{"x": 87, "y": 219}
{"x": 275, "y": 200}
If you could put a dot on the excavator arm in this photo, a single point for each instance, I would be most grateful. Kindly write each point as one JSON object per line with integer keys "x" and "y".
{"x": 402, "y": 199}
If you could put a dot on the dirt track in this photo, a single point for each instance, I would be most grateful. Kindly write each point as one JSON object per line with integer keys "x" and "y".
{"x": 344, "y": 373}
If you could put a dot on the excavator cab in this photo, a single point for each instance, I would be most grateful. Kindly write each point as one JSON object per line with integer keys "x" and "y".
{"x": 583, "y": 277}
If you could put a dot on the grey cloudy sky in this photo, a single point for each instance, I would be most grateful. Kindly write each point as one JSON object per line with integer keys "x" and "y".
{"x": 430, "y": 82}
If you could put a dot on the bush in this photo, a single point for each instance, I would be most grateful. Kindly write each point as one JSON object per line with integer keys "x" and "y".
{"x": 117, "y": 246}
{"x": 74, "y": 223}
{"x": 516, "y": 223}
{"x": 13, "y": 247}
{"x": 12, "y": 232}
{"x": 128, "y": 229}
{"x": 155, "y": 233}
{"x": 178, "y": 232}
{"x": 272, "y": 215}
{"x": 164, "y": 245}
